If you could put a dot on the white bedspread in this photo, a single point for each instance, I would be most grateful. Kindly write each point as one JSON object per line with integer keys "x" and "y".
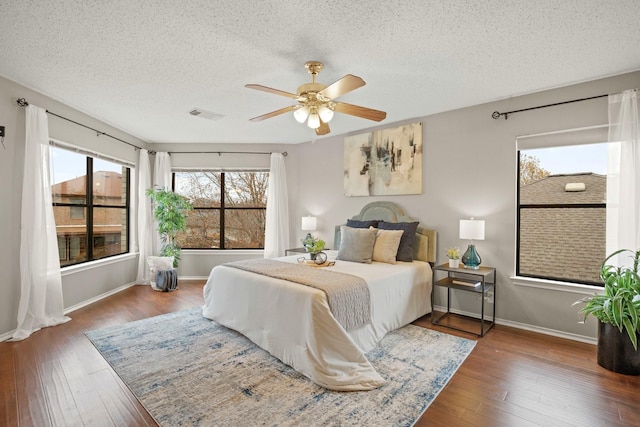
{"x": 293, "y": 322}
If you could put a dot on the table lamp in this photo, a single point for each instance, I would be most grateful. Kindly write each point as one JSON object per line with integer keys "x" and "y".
{"x": 309, "y": 223}
{"x": 471, "y": 229}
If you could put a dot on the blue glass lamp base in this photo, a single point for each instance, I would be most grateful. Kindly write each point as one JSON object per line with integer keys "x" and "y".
{"x": 471, "y": 259}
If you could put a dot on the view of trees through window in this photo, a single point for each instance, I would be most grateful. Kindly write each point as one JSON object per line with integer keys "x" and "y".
{"x": 229, "y": 209}
{"x": 90, "y": 206}
{"x": 562, "y": 213}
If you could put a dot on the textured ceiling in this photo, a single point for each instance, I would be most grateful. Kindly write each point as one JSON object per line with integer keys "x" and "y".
{"x": 143, "y": 65}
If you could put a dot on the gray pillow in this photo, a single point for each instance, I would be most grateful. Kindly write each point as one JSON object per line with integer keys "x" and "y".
{"x": 356, "y": 244}
{"x": 405, "y": 251}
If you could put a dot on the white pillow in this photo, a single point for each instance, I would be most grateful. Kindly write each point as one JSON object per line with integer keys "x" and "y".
{"x": 158, "y": 263}
{"x": 386, "y": 246}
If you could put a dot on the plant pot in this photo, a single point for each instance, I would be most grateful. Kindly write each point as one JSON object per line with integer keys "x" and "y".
{"x": 615, "y": 350}
{"x": 454, "y": 263}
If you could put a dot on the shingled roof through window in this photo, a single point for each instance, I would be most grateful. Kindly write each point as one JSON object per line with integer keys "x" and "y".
{"x": 551, "y": 190}
{"x": 551, "y": 237}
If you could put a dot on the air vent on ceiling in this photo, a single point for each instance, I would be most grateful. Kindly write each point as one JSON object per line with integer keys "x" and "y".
{"x": 199, "y": 112}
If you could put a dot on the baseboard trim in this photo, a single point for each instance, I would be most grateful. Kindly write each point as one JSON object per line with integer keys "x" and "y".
{"x": 98, "y": 298}
{"x": 503, "y": 322}
{"x": 527, "y": 327}
{"x": 193, "y": 277}
{"x": 8, "y": 335}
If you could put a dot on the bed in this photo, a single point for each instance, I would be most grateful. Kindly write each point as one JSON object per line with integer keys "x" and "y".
{"x": 295, "y": 323}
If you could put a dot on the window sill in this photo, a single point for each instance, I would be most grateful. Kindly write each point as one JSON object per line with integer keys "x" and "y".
{"x": 555, "y": 285}
{"x": 65, "y": 271}
{"x": 231, "y": 252}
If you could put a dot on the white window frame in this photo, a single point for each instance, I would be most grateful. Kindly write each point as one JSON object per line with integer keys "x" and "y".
{"x": 566, "y": 137}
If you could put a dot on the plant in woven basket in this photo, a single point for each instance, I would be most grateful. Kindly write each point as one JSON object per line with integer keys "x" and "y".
{"x": 170, "y": 211}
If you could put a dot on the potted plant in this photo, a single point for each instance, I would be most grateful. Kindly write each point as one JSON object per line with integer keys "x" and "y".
{"x": 454, "y": 257}
{"x": 170, "y": 212}
{"x": 618, "y": 312}
{"x": 313, "y": 245}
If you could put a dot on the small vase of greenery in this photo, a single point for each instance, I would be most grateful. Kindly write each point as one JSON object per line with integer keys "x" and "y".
{"x": 313, "y": 245}
{"x": 454, "y": 257}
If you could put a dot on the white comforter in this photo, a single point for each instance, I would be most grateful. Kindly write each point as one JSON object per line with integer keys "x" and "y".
{"x": 293, "y": 322}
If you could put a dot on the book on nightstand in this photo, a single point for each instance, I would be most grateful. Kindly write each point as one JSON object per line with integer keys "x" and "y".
{"x": 471, "y": 284}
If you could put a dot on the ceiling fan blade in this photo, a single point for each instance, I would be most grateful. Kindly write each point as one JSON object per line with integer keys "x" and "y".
{"x": 323, "y": 129}
{"x": 356, "y": 110}
{"x": 342, "y": 86}
{"x": 274, "y": 113}
{"x": 272, "y": 90}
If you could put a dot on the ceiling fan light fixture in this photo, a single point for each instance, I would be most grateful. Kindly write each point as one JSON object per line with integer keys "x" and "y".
{"x": 316, "y": 103}
{"x": 325, "y": 113}
{"x": 301, "y": 114}
{"x": 314, "y": 121}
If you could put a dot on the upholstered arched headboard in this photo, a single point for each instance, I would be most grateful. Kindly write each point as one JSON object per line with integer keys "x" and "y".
{"x": 426, "y": 239}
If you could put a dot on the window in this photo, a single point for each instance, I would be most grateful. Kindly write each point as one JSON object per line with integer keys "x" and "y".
{"x": 562, "y": 212}
{"x": 90, "y": 204}
{"x": 229, "y": 209}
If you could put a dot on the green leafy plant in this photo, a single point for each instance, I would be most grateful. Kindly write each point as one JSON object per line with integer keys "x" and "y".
{"x": 453, "y": 253}
{"x": 170, "y": 211}
{"x": 312, "y": 244}
{"x": 619, "y": 305}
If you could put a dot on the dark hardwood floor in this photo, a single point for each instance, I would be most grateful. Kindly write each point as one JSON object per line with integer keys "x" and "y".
{"x": 512, "y": 377}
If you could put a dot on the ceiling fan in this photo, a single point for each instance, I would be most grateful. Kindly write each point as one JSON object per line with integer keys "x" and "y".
{"x": 316, "y": 102}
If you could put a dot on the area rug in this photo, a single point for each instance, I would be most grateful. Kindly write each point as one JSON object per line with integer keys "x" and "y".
{"x": 190, "y": 371}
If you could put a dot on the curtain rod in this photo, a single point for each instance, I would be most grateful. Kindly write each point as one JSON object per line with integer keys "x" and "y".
{"x": 496, "y": 115}
{"x": 220, "y": 153}
{"x": 23, "y": 103}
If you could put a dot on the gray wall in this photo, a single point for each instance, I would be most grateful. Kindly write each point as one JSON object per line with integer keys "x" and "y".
{"x": 80, "y": 284}
{"x": 469, "y": 170}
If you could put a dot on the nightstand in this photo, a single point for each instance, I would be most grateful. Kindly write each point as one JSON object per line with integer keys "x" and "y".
{"x": 480, "y": 282}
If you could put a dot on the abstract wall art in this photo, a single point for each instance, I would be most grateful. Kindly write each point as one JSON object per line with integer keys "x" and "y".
{"x": 384, "y": 162}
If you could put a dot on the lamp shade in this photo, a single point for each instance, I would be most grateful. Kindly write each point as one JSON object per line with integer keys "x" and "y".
{"x": 314, "y": 121}
{"x": 471, "y": 229}
{"x": 325, "y": 113}
{"x": 301, "y": 114}
{"x": 309, "y": 223}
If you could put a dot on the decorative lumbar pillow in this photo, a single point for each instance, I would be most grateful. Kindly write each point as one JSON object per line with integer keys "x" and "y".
{"x": 386, "y": 246}
{"x": 405, "y": 250}
{"x": 157, "y": 263}
{"x": 355, "y": 223}
{"x": 356, "y": 244}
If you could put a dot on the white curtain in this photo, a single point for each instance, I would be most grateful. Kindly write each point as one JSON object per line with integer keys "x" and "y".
{"x": 145, "y": 218}
{"x": 161, "y": 179}
{"x": 276, "y": 238}
{"x": 162, "y": 171}
{"x": 623, "y": 174}
{"x": 41, "y": 303}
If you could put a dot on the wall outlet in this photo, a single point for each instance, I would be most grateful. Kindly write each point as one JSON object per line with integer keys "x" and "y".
{"x": 1, "y": 131}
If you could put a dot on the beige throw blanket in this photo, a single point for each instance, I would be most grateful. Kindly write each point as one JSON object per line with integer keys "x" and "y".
{"x": 347, "y": 295}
